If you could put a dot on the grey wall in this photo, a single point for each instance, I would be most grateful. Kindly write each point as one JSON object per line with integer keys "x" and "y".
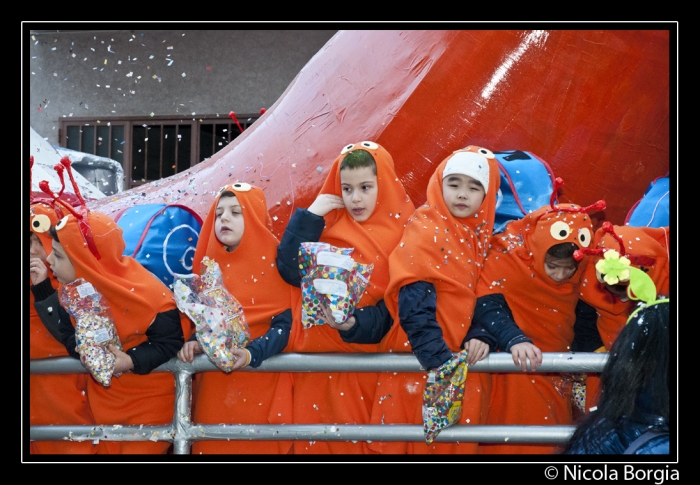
{"x": 97, "y": 73}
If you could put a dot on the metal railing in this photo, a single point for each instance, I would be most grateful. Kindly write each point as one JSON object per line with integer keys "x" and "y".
{"x": 182, "y": 432}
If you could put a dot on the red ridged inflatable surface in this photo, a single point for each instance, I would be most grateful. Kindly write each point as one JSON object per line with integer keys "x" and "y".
{"x": 594, "y": 104}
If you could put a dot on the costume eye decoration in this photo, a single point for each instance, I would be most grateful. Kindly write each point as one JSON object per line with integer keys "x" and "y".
{"x": 41, "y": 223}
{"x": 369, "y": 144}
{"x": 62, "y": 223}
{"x": 241, "y": 187}
{"x": 584, "y": 237}
{"x": 487, "y": 153}
{"x": 560, "y": 230}
{"x": 347, "y": 148}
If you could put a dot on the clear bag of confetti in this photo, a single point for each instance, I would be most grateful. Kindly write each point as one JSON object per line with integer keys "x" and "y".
{"x": 218, "y": 317}
{"x": 94, "y": 328}
{"x": 572, "y": 385}
{"x": 443, "y": 395}
{"x": 330, "y": 275}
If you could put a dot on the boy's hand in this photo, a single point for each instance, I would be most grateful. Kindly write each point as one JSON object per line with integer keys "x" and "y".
{"x": 123, "y": 363}
{"x": 523, "y": 351}
{"x": 327, "y": 316}
{"x": 186, "y": 353}
{"x": 476, "y": 350}
{"x": 325, "y": 203}
{"x": 240, "y": 356}
{"x": 38, "y": 271}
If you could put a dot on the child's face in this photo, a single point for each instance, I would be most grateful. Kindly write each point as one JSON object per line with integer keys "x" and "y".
{"x": 61, "y": 266}
{"x": 229, "y": 225}
{"x": 463, "y": 195}
{"x": 359, "y": 186}
{"x": 36, "y": 249}
{"x": 560, "y": 269}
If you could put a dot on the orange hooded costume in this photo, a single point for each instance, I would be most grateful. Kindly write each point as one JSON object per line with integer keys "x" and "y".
{"x": 53, "y": 399}
{"x": 346, "y": 397}
{"x": 447, "y": 252}
{"x": 250, "y": 275}
{"x": 648, "y": 249}
{"x": 543, "y": 309}
{"x": 94, "y": 245}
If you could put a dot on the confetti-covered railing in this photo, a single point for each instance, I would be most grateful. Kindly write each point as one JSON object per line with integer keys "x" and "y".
{"x": 182, "y": 432}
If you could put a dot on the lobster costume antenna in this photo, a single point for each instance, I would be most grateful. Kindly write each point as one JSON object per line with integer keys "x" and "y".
{"x": 65, "y": 161}
{"x": 559, "y": 182}
{"x": 59, "y": 170}
{"x": 80, "y": 215}
{"x": 610, "y": 229}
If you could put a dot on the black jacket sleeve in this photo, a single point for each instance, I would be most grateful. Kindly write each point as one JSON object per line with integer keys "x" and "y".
{"x": 304, "y": 226}
{"x": 371, "y": 324}
{"x": 274, "y": 340}
{"x": 64, "y": 324}
{"x": 586, "y": 335}
{"x": 165, "y": 338}
{"x": 417, "y": 315}
{"x": 46, "y": 305}
{"x": 478, "y": 331}
{"x": 492, "y": 313}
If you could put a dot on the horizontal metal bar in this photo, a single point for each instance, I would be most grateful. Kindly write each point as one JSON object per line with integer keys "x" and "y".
{"x": 359, "y": 362}
{"x": 115, "y": 432}
{"x": 306, "y": 432}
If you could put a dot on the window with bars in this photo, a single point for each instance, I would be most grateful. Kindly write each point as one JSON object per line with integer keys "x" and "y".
{"x": 151, "y": 148}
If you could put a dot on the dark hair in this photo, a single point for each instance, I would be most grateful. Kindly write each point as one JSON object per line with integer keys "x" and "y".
{"x": 227, "y": 193}
{"x": 359, "y": 159}
{"x": 54, "y": 233}
{"x": 562, "y": 250}
{"x": 635, "y": 378}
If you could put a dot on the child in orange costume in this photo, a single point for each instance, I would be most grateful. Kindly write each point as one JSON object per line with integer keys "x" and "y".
{"x": 53, "y": 399}
{"x": 364, "y": 206}
{"x": 646, "y": 248}
{"x": 434, "y": 271}
{"x": 531, "y": 279}
{"x": 236, "y": 234}
{"x": 90, "y": 245}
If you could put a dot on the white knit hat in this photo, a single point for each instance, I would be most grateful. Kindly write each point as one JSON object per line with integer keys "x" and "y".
{"x": 471, "y": 164}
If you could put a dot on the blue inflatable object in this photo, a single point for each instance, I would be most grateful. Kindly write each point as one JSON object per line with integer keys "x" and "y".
{"x": 652, "y": 210}
{"x": 527, "y": 182}
{"x": 162, "y": 237}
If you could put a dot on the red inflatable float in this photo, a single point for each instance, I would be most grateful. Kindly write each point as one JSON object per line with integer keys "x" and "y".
{"x": 593, "y": 103}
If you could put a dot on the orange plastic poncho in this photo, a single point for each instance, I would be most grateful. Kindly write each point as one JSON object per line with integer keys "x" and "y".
{"x": 135, "y": 297}
{"x": 346, "y": 397}
{"x": 53, "y": 399}
{"x": 542, "y": 308}
{"x": 448, "y": 252}
{"x": 250, "y": 275}
{"x": 647, "y": 242}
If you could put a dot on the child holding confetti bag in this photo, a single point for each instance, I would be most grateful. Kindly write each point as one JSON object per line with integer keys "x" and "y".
{"x": 527, "y": 297}
{"x": 236, "y": 239}
{"x": 89, "y": 245}
{"x": 434, "y": 271}
{"x": 53, "y": 399}
{"x": 362, "y": 206}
